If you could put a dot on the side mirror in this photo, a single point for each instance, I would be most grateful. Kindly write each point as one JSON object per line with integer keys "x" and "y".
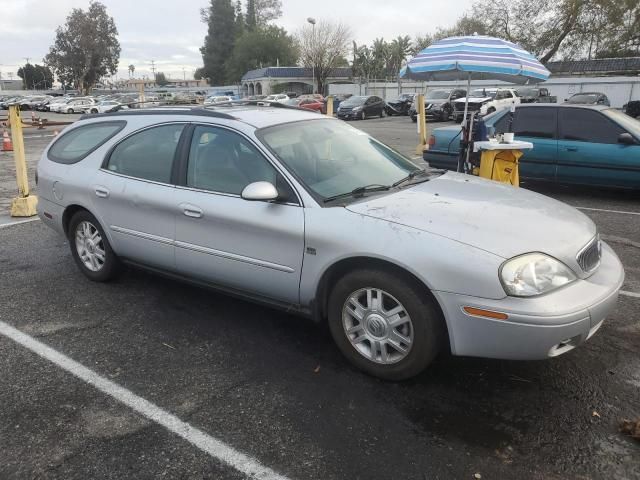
{"x": 260, "y": 191}
{"x": 626, "y": 139}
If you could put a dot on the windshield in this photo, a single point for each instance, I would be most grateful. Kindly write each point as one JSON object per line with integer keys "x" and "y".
{"x": 483, "y": 92}
{"x": 354, "y": 101}
{"x": 438, "y": 95}
{"x": 332, "y": 157}
{"x": 584, "y": 98}
{"x": 630, "y": 124}
{"x": 293, "y": 102}
{"x": 527, "y": 92}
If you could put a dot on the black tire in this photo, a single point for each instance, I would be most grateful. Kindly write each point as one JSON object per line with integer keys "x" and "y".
{"x": 491, "y": 110}
{"x": 414, "y": 119}
{"x": 427, "y": 322}
{"x": 93, "y": 110}
{"x": 362, "y": 115}
{"x": 111, "y": 266}
{"x": 446, "y": 113}
{"x": 382, "y": 113}
{"x": 70, "y": 110}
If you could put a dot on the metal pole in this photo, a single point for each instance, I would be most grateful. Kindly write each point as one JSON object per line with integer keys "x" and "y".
{"x": 313, "y": 65}
{"x": 422, "y": 124}
{"x": 466, "y": 102}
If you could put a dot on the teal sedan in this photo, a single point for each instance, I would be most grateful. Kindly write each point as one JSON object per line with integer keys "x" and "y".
{"x": 572, "y": 144}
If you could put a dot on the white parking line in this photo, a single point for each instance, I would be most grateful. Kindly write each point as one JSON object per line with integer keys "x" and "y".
{"x": 629, "y": 294}
{"x": 39, "y": 136}
{"x": 18, "y": 222}
{"x": 607, "y": 211}
{"x": 208, "y": 444}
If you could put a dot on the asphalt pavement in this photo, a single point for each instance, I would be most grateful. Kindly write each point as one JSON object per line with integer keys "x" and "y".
{"x": 268, "y": 392}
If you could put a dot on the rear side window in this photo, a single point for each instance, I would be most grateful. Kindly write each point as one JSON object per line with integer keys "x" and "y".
{"x": 78, "y": 143}
{"x": 148, "y": 154}
{"x": 584, "y": 125}
{"x": 535, "y": 122}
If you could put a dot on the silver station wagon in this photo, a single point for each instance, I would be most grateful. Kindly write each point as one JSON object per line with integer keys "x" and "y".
{"x": 307, "y": 213}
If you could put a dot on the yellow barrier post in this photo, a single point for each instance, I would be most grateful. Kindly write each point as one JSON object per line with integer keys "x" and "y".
{"x": 330, "y": 106}
{"x": 24, "y": 205}
{"x": 422, "y": 124}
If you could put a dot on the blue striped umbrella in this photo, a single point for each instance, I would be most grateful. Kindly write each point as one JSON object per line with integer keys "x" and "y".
{"x": 475, "y": 57}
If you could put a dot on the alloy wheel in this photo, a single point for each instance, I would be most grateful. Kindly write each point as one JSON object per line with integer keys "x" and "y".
{"x": 90, "y": 246}
{"x": 377, "y": 325}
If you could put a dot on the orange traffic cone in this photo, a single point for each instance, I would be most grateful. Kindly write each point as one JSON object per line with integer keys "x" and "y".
{"x": 7, "y": 146}
{"x": 33, "y": 116}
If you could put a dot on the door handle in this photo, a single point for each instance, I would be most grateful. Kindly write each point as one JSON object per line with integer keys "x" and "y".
{"x": 191, "y": 210}
{"x": 572, "y": 149}
{"x": 102, "y": 192}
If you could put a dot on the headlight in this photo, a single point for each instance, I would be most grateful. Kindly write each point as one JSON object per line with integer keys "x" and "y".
{"x": 534, "y": 274}
{"x": 356, "y": 109}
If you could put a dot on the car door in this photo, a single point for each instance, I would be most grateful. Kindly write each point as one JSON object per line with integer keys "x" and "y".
{"x": 251, "y": 246}
{"x": 589, "y": 151}
{"x": 537, "y": 125}
{"x": 134, "y": 194}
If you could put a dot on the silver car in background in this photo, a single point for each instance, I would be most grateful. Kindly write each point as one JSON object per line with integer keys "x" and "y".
{"x": 309, "y": 214}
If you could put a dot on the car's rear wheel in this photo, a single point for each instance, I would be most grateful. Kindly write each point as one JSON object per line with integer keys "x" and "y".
{"x": 69, "y": 110}
{"x": 491, "y": 110}
{"x": 94, "y": 110}
{"x": 384, "y": 324}
{"x": 91, "y": 249}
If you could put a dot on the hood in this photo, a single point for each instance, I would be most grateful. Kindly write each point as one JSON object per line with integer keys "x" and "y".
{"x": 494, "y": 217}
{"x": 473, "y": 99}
{"x": 435, "y": 101}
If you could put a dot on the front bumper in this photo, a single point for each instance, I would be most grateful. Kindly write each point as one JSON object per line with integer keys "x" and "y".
{"x": 538, "y": 327}
{"x": 349, "y": 115}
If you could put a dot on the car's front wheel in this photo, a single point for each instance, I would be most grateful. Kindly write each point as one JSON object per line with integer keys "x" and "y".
{"x": 91, "y": 249}
{"x": 384, "y": 324}
{"x": 70, "y": 110}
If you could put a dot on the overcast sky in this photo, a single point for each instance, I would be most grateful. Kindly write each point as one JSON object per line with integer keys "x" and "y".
{"x": 170, "y": 32}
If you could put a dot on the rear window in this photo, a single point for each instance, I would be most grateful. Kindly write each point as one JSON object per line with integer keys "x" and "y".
{"x": 75, "y": 145}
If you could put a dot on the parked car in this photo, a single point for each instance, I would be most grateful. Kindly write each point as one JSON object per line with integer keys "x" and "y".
{"x": 438, "y": 104}
{"x": 311, "y": 215}
{"x": 572, "y": 144}
{"x": 401, "y": 105}
{"x": 308, "y": 103}
{"x": 360, "y": 107}
{"x": 589, "y": 98}
{"x": 279, "y": 97}
{"x": 632, "y": 108}
{"x": 485, "y": 101}
{"x": 535, "y": 95}
{"x": 4, "y": 105}
{"x": 30, "y": 102}
{"x": 55, "y": 104}
{"x": 105, "y": 106}
{"x": 217, "y": 99}
{"x": 76, "y": 105}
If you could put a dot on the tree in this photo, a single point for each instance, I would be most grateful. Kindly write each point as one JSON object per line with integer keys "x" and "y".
{"x": 322, "y": 47}
{"x": 266, "y": 46}
{"x": 86, "y": 47}
{"x": 239, "y": 22}
{"x": 36, "y": 77}
{"x": 267, "y": 11}
{"x": 132, "y": 68}
{"x": 251, "y": 21}
{"x": 199, "y": 73}
{"x": 420, "y": 43}
{"x": 219, "y": 41}
{"x": 161, "y": 79}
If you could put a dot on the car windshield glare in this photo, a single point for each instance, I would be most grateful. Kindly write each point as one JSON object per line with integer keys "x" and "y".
{"x": 354, "y": 101}
{"x": 438, "y": 95}
{"x": 482, "y": 93}
{"x": 332, "y": 158}
{"x": 630, "y": 124}
{"x": 584, "y": 98}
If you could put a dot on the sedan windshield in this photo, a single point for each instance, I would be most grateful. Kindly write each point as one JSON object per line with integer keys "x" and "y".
{"x": 333, "y": 158}
{"x": 438, "y": 95}
{"x": 584, "y": 98}
{"x": 354, "y": 101}
{"x": 482, "y": 93}
{"x": 630, "y": 124}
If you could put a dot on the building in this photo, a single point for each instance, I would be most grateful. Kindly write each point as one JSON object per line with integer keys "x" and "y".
{"x": 265, "y": 81}
{"x": 134, "y": 83}
{"x": 627, "y": 66}
{"x": 11, "y": 85}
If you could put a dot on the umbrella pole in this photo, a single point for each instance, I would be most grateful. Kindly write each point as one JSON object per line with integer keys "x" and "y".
{"x": 466, "y": 100}
{"x": 465, "y": 134}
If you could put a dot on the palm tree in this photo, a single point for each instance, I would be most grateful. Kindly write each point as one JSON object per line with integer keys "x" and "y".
{"x": 400, "y": 49}
{"x": 132, "y": 69}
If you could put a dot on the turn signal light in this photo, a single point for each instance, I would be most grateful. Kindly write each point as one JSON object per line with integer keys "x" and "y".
{"x": 432, "y": 141}
{"x": 478, "y": 312}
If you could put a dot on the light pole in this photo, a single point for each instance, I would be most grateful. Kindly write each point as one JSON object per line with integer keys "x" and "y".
{"x": 312, "y": 21}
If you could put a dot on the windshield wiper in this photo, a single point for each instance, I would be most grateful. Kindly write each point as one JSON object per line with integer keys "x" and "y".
{"x": 359, "y": 191}
{"x": 409, "y": 177}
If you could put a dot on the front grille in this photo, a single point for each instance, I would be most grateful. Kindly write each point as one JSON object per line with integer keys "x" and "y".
{"x": 589, "y": 256}
{"x": 472, "y": 106}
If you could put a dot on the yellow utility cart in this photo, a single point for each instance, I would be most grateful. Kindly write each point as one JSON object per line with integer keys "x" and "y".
{"x": 499, "y": 161}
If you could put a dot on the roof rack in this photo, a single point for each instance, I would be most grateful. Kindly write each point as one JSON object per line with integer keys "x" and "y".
{"x": 255, "y": 103}
{"x": 195, "y": 110}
